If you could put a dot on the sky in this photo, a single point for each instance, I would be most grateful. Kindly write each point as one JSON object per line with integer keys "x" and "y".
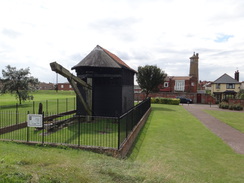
{"x": 164, "y": 33}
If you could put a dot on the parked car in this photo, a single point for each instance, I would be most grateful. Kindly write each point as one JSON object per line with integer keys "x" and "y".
{"x": 185, "y": 100}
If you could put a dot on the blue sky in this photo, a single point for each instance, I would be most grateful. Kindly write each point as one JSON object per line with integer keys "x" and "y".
{"x": 156, "y": 32}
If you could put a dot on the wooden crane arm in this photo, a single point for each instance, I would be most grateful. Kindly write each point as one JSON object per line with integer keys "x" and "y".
{"x": 73, "y": 80}
{"x": 64, "y": 72}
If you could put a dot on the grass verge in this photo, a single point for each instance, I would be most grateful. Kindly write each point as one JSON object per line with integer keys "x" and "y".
{"x": 174, "y": 145}
{"x": 234, "y": 119}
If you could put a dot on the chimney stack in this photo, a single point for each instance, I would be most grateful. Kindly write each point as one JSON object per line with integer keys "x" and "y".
{"x": 237, "y": 75}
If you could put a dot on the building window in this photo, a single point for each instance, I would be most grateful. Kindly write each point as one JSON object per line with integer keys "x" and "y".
{"x": 62, "y": 86}
{"x": 218, "y": 86}
{"x": 70, "y": 86}
{"x": 230, "y": 86}
{"x": 179, "y": 85}
{"x": 166, "y": 84}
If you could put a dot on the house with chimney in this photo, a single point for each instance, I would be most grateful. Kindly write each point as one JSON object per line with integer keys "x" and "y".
{"x": 226, "y": 87}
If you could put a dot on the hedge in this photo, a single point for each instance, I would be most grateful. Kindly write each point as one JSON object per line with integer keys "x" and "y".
{"x": 225, "y": 105}
{"x": 171, "y": 101}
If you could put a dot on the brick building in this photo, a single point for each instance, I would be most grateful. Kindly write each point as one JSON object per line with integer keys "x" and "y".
{"x": 64, "y": 86}
{"x": 187, "y": 84}
{"x": 46, "y": 86}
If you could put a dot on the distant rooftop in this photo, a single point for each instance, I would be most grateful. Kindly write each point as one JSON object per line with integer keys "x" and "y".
{"x": 225, "y": 78}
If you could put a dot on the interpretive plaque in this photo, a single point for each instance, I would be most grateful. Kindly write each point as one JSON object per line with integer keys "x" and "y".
{"x": 34, "y": 120}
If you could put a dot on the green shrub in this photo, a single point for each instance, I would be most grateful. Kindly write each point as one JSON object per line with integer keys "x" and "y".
{"x": 224, "y": 105}
{"x": 153, "y": 100}
{"x": 231, "y": 107}
{"x": 164, "y": 101}
{"x": 174, "y": 101}
{"x": 161, "y": 100}
{"x": 157, "y": 100}
{"x": 238, "y": 107}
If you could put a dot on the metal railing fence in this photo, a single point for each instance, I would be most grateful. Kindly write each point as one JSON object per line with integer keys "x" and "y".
{"x": 71, "y": 129}
{"x": 130, "y": 119}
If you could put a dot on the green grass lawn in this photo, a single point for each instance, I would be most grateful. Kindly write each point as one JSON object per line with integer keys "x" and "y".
{"x": 172, "y": 147}
{"x": 178, "y": 148}
{"x": 39, "y": 95}
{"x": 100, "y": 133}
{"x": 232, "y": 118}
{"x": 52, "y": 101}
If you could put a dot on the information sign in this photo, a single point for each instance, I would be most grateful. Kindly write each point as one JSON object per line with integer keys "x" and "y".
{"x": 34, "y": 120}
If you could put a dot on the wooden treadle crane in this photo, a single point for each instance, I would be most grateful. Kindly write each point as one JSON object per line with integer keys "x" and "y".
{"x": 73, "y": 80}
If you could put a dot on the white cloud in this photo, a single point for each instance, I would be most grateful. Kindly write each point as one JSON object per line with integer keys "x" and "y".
{"x": 159, "y": 32}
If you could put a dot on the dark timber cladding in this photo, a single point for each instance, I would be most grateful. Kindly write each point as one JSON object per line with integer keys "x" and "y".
{"x": 112, "y": 83}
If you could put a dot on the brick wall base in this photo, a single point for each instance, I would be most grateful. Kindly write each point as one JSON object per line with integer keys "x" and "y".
{"x": 196, "y": 98}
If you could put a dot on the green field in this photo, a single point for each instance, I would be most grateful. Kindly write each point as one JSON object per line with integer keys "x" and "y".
{"x": 172, "y": 147}
{"x": 39, "y": 95}
{"x": 52, "y": 101}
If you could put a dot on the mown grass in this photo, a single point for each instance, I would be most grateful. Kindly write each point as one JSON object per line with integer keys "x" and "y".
{"x": 100, "y": 133}
{"x": 53, "y": 102}
{"x": 172, "y": 147}
{"x": 232, "y": 118}
{"x": 39, "y": 95}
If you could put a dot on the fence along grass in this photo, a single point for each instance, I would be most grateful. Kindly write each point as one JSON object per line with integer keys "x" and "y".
{"x": 15, "y": 114}
{"x": 108, "y": 132}
{"x": 101, "y": 131}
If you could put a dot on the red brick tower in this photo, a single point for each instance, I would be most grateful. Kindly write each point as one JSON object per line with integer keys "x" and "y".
{"x": 194, "y": 66}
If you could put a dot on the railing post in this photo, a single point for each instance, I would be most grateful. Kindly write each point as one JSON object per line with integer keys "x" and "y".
{"x": 118, "y": 132}
{"x": 74, "y": 103}
{"x": 33, "y": 107}
{"x": 43, "y": 128}
{"x": 17, "y": 113}
{"x": 46, "y": 107}
{"x": 27, "y": 135}
{"x": 57, "y": 106}
{"x": 79, "y": 131}
{"x": 126, "y": 126}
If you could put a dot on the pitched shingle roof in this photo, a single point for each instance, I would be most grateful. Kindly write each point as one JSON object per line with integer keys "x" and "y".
{"x": 225, "y": 78}
{"x": 100, "y": 57}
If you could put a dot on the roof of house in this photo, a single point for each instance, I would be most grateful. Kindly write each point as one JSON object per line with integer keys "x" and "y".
{"x": 225, "y": 78}
{"x": 181, "y": 77}
{"x": 100, "y": 57}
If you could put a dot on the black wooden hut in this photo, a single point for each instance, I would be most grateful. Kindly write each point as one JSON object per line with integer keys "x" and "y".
{"x": 112, "y": 83}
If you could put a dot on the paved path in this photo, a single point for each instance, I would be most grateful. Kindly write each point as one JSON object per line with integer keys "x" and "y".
{"x": 233, "y": 137}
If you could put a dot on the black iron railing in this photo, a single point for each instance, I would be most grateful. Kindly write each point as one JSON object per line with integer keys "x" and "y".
{"x": 130, "y": 119}
{"x": 71, "y": 129}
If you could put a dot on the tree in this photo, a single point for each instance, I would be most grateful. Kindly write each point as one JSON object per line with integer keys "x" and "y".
{"x": 149, "y": 77}
{"x": 18, "y": 82}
